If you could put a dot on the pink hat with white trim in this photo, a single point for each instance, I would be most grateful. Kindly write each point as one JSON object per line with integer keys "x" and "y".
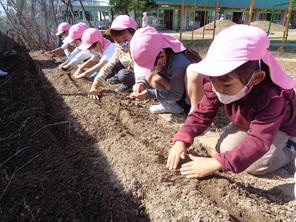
{"x": 76, "y": 31}
{"x": 235, "y": 46}
{"x": 122, "y": 22}
{"x": 145, "y": 46}
{"x": 63, "y": 27}
{"x": 91, "y": 36}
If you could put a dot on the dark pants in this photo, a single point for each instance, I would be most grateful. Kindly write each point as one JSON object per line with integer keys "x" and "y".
{"x": 183, "y": 104}
{"x": 115, "y": 70}
{"x": 127, "y": 77}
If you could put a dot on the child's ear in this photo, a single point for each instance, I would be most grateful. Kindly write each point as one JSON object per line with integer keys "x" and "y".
{"x": 162, "y": 55}
{"x": 258, "y": 77}
{"x": 99, "y": 45}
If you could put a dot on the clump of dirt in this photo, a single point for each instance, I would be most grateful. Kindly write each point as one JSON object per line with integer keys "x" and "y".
{"x": 220, "y": 26}
{"x": 265, "y": 24}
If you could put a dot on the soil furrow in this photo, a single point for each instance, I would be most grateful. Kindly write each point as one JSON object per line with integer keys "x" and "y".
{"x": 135, "y": 144}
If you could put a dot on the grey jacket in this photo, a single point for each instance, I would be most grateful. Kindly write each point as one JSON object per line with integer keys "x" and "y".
{"x": 174, "y": 72}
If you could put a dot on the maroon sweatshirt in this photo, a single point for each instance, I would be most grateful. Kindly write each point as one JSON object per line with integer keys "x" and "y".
{"x": 266, "y": 110}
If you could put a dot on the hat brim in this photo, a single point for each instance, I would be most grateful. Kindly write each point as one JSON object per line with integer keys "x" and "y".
{"x": 84, "y": 46}
{"x": 215, "y": 68}
{"x": 118, "y": 28}
{"x": 59, "y": 33}
{"x": 141, "y": 71}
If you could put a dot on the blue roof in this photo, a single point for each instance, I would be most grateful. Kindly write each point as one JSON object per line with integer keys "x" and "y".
{"x": 231, "y": 3}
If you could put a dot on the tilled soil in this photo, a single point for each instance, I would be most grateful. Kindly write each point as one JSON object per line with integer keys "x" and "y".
{"x": 65, "y": 157}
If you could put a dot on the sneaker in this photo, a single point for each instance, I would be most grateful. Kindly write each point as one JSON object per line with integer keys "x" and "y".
{"x": 3, "y": 73}
{"x": 166, "y": 107}
{"x": 292, "y": 146}
{"x": 113, "y": 80}
{"x": 122, "y": 88}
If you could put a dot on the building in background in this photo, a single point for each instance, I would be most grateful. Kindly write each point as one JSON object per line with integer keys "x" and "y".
{"x": 167, "y": 16}
{"x": 98, "y": 12}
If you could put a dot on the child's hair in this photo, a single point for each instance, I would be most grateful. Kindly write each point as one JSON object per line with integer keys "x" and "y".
{"x": 115, "y": 33}
{"x": 93, "y": 46}
{"x": 191, "y": 54}
{"x": 246, "y": 70}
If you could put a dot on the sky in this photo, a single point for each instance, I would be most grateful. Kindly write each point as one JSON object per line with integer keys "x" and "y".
{"x": 2, "y": 13}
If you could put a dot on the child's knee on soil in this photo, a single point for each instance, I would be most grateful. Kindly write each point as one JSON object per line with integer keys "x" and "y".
{"x": 277, "y": 156}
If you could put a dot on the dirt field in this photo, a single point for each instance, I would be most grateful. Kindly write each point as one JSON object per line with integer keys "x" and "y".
{"x": 64, "y": 157}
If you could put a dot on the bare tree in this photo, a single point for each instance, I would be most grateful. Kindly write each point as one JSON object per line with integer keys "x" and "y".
{"x": 85, "y": 13}
{"x": 34, "y": 22}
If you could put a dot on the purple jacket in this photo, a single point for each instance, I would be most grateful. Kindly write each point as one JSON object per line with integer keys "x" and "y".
{"x": 265, "y": 111}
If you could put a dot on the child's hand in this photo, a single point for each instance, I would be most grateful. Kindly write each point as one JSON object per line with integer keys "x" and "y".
{"x": 200, "y": 167}
{"x": 177, "y": 152}
{"x": 138, "y": 88}
{"x": 64, "y": 67}
{"x": 142, "y": 96}
{"x": 77, "y": 72}
{"x": 94, "y": 94}
{"x": 60, "y": 66}
{"x": 80, "y": 75}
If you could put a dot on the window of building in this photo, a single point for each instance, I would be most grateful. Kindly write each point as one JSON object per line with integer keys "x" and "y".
{"x": 277, "y": 18}
{"x": 228, "y": 15}
{"x": 78, "y": 15}
{"x": 210, "y": 17}
{"x": 262, "y": 16}
{"x": 88, "y": 16}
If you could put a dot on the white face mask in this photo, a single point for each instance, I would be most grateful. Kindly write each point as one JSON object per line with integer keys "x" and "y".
{"x": 73, "y": 44}
{"x": 227, "y": 99}
{"x": 124, "y": 46}
{"x": 95, "y": 53}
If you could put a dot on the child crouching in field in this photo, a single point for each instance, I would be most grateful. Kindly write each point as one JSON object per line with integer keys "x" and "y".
{"x": 258, "y": 98}
{"x": 122, "y": 30}
{"x": 101, "y": 50}
{"x": 67, "y": 47}
{"x": 78, "y": 55}
{"x": 160, "y": 63}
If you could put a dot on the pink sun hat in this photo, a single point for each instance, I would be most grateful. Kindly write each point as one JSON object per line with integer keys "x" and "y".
{"x": 63, "y": 27}
{"x": 122, "y": 22}
{"x": 76, "y": 31}
{"x": 91, "y": 36}
{"x": 235, "y": 46}
{"x": 145, "y": 46}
